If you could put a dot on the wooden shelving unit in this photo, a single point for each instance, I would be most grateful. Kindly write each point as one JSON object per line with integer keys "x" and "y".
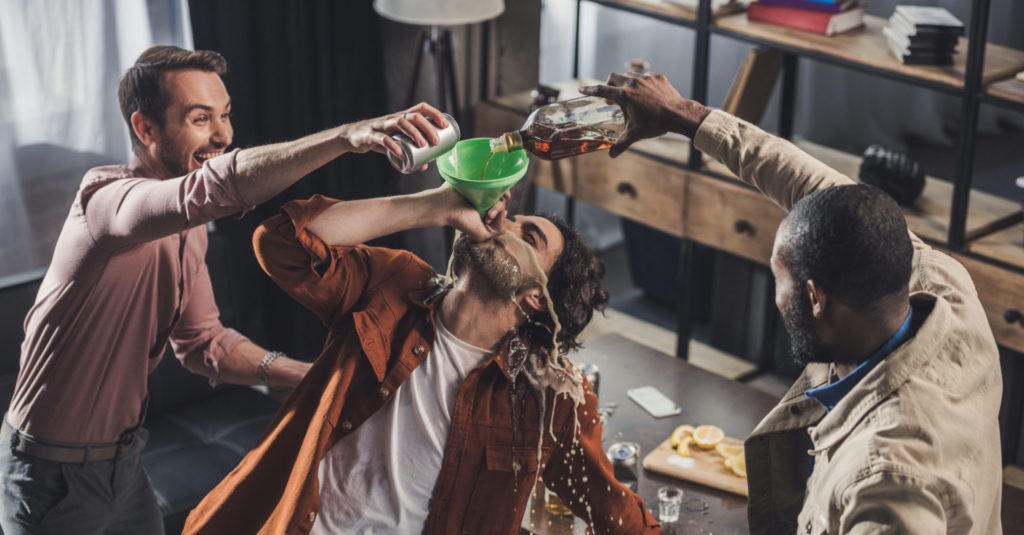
{"x": 978, "y": 75}
{"x": 1008, "y": 93}
{"x": 985, "y": 231}
{"x": 655, "y": 9}
{"x": 865, "y": 49}
{"x": 653, "y": 184}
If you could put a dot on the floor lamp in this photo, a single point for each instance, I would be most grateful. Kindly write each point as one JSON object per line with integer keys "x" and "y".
{"x": 438, "y": 15}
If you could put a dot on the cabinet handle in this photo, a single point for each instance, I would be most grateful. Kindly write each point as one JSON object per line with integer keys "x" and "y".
{"x": 625, "y": 188}
{"x": 742, "y": 226}
{"x": 1012, "y": 315}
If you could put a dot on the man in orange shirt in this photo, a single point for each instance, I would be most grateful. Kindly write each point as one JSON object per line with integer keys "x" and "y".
{"x": 433, "y": 408}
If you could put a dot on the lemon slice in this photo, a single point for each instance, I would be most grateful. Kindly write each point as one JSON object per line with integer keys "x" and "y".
{"x": 679, "y": 433}
{"x": 729, "y": 450}
{"x": 737, "y": 464}
{"x": 683, "y": 448}
{"x": 707, "y": 436}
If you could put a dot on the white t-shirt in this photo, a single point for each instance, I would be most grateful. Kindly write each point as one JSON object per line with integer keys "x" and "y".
{"x": 380, "y": 478}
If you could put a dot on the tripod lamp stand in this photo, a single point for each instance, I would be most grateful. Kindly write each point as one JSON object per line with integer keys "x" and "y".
{"x": 438, "y": 41}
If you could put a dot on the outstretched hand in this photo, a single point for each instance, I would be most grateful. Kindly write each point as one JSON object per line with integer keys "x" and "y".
{"x": 417, "y": 122}
{"x": 651, "y": 107}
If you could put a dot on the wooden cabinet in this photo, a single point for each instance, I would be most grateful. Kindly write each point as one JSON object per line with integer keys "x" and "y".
{"x": 1002, "y": 294}
{"x": 651, "y": 184}
{"x": 730, "y": 217}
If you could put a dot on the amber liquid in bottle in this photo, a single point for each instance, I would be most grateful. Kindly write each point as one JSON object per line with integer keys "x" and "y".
{"x": 550, "y": 144}
{"x": 567, "y": 128}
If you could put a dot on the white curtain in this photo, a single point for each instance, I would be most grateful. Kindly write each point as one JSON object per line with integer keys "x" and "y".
{"x": 60, "y": 62}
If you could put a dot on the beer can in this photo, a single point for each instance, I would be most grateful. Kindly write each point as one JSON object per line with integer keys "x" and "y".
{"x": 593, "y": 375}
{"x": 415, "y": 156}
{"x": 625, "y": 458}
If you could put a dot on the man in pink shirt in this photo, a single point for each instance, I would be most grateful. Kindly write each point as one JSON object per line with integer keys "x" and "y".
{"x": 128, "y": 275}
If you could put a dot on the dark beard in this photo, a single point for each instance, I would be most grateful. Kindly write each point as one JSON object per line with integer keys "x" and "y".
{"x": 494, "y": 265}
{"x": 803, "y": 344}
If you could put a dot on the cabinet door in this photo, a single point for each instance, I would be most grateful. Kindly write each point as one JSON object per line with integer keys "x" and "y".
{"x": 635, "y": 187}
{"x": 1002, "y": 294}
{"x": 730, "y": 217}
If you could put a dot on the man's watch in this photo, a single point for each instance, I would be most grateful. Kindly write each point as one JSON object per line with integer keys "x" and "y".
{"x": 263, "y": 370}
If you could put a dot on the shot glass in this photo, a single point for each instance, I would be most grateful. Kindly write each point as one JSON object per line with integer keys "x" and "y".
{"x": 669, "y": 501}
{"x": 554, "y": 504}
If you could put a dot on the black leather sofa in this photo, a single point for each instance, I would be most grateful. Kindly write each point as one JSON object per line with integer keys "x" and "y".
{"x": 197, "y": 433}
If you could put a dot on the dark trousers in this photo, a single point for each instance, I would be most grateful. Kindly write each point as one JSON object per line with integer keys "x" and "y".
{"x": 92, "y": 498}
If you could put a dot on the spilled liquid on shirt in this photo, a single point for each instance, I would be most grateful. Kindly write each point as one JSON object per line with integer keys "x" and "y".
{"x": 552, "y": 370}
{"x": 545, "y": 369}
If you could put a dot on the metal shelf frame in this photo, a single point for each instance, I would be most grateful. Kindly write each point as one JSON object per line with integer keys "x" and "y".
{"x": 1000, "y": 102}
{"x": 972, "y": 94}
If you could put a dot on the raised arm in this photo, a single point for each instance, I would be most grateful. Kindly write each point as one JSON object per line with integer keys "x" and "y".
{"x": 265, "y": 171}
{"x": 775, "y": 166}
{"x": 313, "y": 250}
{"x": 356, "y": 222}
{"x": 132, "y": 210}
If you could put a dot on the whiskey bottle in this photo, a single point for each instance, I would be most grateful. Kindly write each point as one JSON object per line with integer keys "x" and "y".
{"x": 565, "y": 129}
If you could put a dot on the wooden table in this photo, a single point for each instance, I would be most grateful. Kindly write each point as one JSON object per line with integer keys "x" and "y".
{"x": 705, "y": 398}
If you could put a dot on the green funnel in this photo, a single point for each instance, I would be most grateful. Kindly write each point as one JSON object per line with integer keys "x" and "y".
{"x": 462, "y": 166}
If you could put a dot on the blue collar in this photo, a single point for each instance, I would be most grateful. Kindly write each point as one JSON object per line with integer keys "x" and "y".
{"x": 830, "y": 395}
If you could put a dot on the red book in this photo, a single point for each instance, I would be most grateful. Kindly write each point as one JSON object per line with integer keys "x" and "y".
{"x": 812, "y": 5}
{"x": 803, "y": 19}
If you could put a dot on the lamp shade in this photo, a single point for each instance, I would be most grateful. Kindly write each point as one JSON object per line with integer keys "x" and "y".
{"x": 439, "y": 12}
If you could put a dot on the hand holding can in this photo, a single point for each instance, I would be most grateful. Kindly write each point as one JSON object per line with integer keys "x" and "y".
{"x": 414, "y": 156}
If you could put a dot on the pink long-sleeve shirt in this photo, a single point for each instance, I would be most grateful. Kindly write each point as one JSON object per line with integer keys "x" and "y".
{"x": 128, "y": 275}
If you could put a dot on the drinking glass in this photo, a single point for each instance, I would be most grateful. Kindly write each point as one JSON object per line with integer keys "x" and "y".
{"x": 669, "y": 500}
{"x": 554, "y": 504}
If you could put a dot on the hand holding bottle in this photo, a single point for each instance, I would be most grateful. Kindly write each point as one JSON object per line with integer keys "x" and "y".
{"x": 651, "y": 107}
{"x": 566, "y": 128}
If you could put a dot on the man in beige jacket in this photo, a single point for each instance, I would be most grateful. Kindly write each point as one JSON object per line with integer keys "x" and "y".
{"x": 892, "y": 426}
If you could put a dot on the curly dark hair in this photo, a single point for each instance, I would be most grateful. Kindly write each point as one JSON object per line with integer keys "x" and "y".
{"x": 574, "y": 283}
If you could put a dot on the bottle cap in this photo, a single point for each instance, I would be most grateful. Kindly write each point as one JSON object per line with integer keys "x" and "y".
{"x": 498, "y": 144}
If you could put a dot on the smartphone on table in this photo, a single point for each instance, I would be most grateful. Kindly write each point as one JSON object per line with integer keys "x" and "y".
{"x": 654, "y": 401}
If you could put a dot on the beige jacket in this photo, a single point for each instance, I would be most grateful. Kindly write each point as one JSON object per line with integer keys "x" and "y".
{"x": 914, "y": 447}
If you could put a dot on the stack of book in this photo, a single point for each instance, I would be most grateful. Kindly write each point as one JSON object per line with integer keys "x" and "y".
{"x": 827, "y": 17}
{"x": 920, "y": 35}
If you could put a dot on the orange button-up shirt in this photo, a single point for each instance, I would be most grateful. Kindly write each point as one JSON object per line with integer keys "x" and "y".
{"x": 379, "y": 305}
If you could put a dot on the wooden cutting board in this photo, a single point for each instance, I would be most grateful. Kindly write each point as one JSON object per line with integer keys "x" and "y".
{"x": 703, "y": 466}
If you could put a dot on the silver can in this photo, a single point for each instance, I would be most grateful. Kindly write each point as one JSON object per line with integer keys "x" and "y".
{"x": 625, "y": 458}
{"x": 415, "y": 156}
{"x": 593, "y": 375}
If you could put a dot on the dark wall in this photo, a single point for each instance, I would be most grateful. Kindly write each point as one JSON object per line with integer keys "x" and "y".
{"x": 294, "y": 68}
